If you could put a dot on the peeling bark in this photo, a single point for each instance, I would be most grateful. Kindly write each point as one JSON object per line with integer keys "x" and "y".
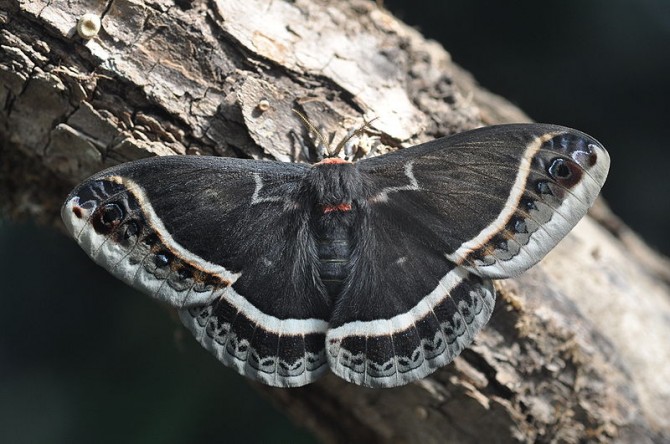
{"x": 576, "y": 350}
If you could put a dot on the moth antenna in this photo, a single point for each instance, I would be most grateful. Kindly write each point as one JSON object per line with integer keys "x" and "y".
{"x": 313, "y": 129}
{"x": 357, "y": 132}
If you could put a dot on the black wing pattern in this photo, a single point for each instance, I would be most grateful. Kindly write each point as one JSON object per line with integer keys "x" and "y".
{"x": 380, "y": 270}
{"x": 223, "y": 240}
{"x": 441, "y": 219}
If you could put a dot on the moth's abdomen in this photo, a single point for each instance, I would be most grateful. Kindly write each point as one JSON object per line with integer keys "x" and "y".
{"x": 334, "y": 250}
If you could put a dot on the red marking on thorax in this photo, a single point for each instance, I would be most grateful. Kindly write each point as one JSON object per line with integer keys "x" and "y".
{"x": 332, "y": 160}
{"x": 339, "y": 207}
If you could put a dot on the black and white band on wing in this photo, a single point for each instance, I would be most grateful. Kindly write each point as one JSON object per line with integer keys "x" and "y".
{"x": 559, "y": 177}
{"x": 407, "y": 347}
{"x": 279, "y": 353}
{"x": 112, "y": 221}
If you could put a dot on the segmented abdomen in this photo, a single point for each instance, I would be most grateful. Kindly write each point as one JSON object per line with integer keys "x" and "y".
{"x": 334, "y": 251}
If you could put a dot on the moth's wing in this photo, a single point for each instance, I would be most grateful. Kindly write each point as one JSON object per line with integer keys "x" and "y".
{"x": 405, "y": 311}
{"x": 439, "y": 221}
{"x": 494, "y": 200}
{"x": 224, "y": 240}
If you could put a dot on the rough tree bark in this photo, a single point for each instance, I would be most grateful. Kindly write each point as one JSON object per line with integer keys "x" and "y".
{"x": 576, "y": 350}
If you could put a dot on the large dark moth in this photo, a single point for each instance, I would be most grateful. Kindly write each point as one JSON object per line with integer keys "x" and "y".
{"x": 379, "y": 270}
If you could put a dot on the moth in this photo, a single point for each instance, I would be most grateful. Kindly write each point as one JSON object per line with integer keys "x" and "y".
{"x": 379, "y": 270}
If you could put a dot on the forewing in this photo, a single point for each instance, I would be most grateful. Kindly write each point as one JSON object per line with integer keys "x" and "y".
{"x": 494, "y": 200}
{"x": 225, "y": 241}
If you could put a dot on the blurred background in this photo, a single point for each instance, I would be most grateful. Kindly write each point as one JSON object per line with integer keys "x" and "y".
{"x": 600, "y": 66}
{"x": 86, "y": 360}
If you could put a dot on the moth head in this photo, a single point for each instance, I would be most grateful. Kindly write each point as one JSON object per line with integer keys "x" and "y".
{"x": 334, "y": 183}
{"x": 354, "y": 145}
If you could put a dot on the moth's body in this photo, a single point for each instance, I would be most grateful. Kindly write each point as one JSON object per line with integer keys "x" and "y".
{"x": 334, "y": 249}
{"x": 379, "y": 270}
{"x": 337, "y": 189}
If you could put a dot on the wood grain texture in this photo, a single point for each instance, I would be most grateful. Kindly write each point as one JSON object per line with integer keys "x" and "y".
{"x": 577, "y": 348}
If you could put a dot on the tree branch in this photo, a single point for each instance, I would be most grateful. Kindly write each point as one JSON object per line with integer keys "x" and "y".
{"x": 577, "y": 348}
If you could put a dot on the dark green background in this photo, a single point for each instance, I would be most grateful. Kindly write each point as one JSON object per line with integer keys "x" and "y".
{"x": 601, "y": 66}
{"x": 85, "y": 359}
